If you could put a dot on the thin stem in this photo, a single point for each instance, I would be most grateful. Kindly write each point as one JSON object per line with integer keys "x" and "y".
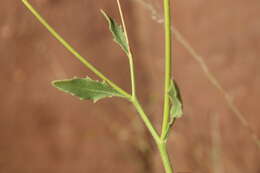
{"x": 165, "y": 157}
{"x": 132, "y": 73}
{"x": 72, "y": 50}
{"x": 161, "y": 144}
{"x": 130, "y": 56}
{"x": 167, "y": 80}
{"x": 210, "y": 76}
{"x": 146, "y": 120}
{"x": 168, "y": 66}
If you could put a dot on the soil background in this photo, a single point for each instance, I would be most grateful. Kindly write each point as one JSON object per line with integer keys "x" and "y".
{"x": 46, "y": 131}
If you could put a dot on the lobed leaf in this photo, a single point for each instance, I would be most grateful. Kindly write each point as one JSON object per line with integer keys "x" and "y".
{"x": 86, "y": 88}
{"x": 117, "y": 32}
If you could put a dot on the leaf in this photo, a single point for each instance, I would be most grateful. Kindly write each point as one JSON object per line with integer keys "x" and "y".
{"x": 176, "y": 101}
{"x": 117, "y": 32}
{"x": 86, "y": 88}
{"x": 176, "y": 109}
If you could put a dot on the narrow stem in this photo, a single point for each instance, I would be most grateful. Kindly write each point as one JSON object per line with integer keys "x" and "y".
{"x": 168, "y": 66}
{"x": 132, "y": 73}
{"x": 161, "y": 144}
{"x": 72, "y": 50}
{"x": 130, "y": 56}
{"x": 146, "y": 120}
{"x": 165, "y": 157}
{"x": 168, "y": 70}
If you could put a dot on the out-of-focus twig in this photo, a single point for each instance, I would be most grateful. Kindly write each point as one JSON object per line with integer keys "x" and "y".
{"x": 217, "y": 166}
{"x": 141, "y": 142}
{"x": 210, "y": 76}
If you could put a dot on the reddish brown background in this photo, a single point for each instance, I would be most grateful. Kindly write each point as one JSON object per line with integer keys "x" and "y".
{"x": 43, "y": 130}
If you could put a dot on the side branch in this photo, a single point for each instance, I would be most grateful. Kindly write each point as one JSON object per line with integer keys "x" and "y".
{"x": 72, "y": 50}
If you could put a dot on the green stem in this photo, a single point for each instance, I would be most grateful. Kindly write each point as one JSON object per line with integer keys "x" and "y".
{"x": 165, "y": 157}
{"x": 146, "y": 120}
{"x": 73, "y": 51}
{"x": 168, "y": 67}
{"x": 130, "y": 56}
{"x": 132, "y": 73}
{"x": 167, "y": 80}
{"x": 161, "y": 144}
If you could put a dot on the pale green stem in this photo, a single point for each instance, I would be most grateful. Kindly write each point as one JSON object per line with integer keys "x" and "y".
{"x": 161, "y": 144}
{"x": 168, "y": 67}
{"x": 165, "y": 157}
{"x": 168, "y": 73}
{"x": 146, "y": 120}
{"x": 130, "y": 56}
{"x": 72, "y": 50}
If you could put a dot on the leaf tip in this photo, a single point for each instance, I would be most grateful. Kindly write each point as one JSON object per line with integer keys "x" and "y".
{"x": 104, "y": 14}
{"x": 102, "y": 11}
{"x": 55, "y": 83}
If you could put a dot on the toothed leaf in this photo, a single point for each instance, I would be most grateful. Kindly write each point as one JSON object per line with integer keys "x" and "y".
{"x": 86, "y": 88}
{"x": 117, "y": 32}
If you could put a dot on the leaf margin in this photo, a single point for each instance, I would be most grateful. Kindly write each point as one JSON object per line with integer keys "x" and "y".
{"x": 119, "y": 38}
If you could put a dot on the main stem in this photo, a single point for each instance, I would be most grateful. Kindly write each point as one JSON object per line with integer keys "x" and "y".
{"x": 165, "y": 157}
{"x": 168, "y": 71}
{"x": 168, "y": 66}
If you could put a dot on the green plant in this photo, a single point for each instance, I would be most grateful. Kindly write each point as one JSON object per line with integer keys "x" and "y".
{"x": 86, "y": 88}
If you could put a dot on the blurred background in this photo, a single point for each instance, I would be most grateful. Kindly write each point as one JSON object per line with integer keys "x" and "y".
{"x": 216, "y": 63}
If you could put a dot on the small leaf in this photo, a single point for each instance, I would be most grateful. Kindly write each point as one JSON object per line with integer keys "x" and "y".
{"x": 176, "y": 101}
{"x": 176, "y": 109}
{"x": 118, "y": 32}
{"x": 86, "y": 88}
